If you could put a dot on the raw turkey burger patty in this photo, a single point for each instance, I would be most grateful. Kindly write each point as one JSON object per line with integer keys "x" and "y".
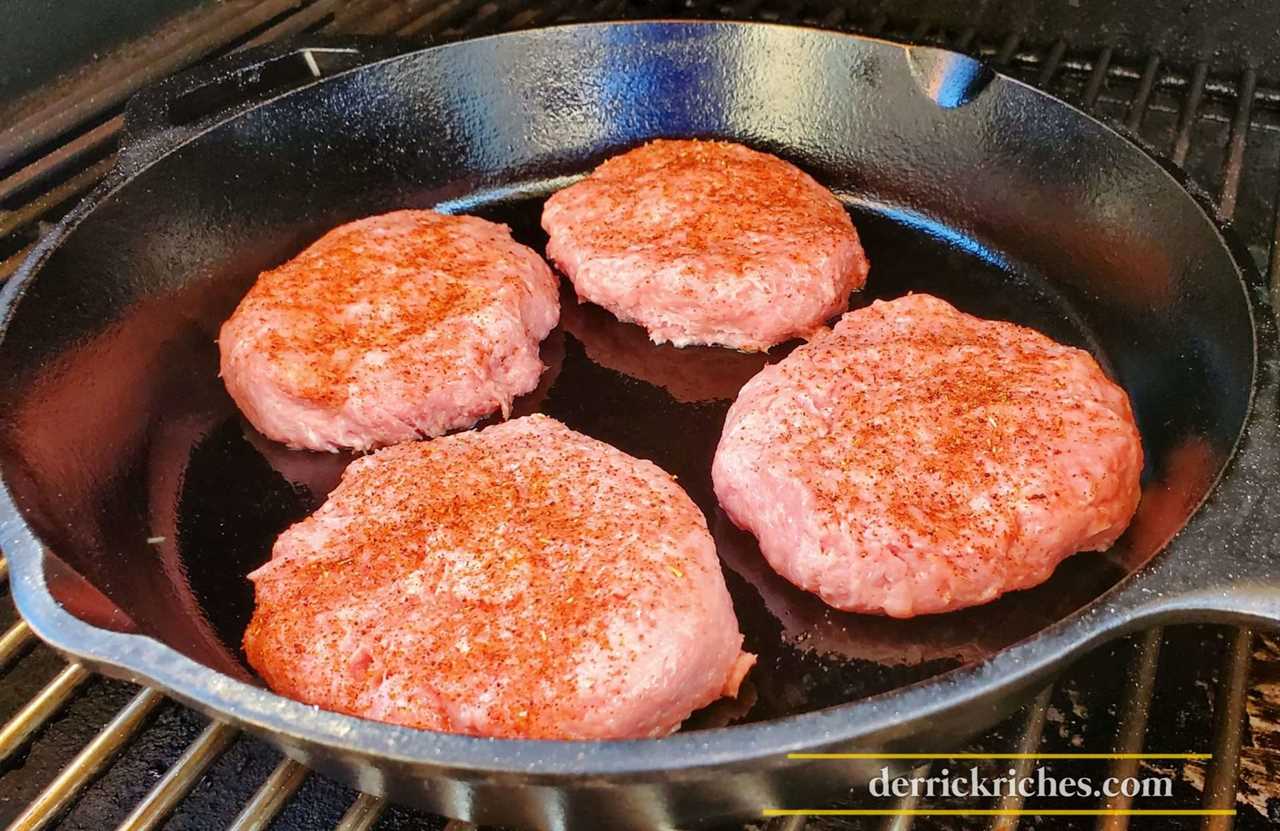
{"x": 707, "y": 242}
{"x": 522, "y": 581}
{"x": 390, "y": 328}
{"x": 916, "y": 459}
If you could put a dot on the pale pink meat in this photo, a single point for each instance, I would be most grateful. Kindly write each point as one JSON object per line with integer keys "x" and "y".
{"x": 916, "y": 459}
{"x": 390, "y": 328}
{"x": 523, "y": 580}
{"x": 707, "y": 242}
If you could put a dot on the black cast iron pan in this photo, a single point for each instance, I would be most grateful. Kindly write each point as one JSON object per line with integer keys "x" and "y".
{"x": 135, "y": 499}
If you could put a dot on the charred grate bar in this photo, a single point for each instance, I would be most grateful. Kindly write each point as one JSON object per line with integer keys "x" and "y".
{"x": 1204, "y": 121}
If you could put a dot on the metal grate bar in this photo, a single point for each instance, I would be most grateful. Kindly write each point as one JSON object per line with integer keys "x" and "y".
{"x": 484, "y": 21}
{"x": 14, "y": 642}
{"x": 544, "y": 15}
{"x": 1097, "y": 76}
{"x": 1172, "y": 79}
{"x": 790, "y": 12}
{"x": 910, "y": 802}
{"x": 181, "y": 778}
{"x": 1028, "y": 742}
{"x": 1228, "y": 716}
{"x": 441, "y": 17}
{"x": 291, "y": 25}
{"x": 792, "y": 823}
{"x": 300, "y": 21}
{"x": 1051, "y": 63}
{"x": 393, "y": 15}
{"x": 1190, "y": 108}
{"x": 1235, "y": 150}
{"x": 1141, "y": 98}
{"x": 352, "y": 12}
{"x": 1131, "y": 737}
{"x": 41, "y": 708}
{"x": 7, "y": 268}
{"x": 87, "y": 763}
{"x": 63, "y": 193}
{"x": 227, "y": 24}
{"x": 271, "y": 797}
{"x": 72, "y": 151}
{"x": 1008, "y": 48}
{"x": 60, "y": 158}
{"x": 362, "y": 814}
{"x": 106, "y": 132}
{"x": 1273, "y": 269}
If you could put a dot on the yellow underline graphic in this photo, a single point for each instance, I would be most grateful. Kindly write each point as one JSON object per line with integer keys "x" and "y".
{"x": 1003, "y": 756}
{"x": 998, "y": 812}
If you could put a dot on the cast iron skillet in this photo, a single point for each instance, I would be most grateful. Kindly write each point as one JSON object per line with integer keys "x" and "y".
{"x": 135, "y": 499}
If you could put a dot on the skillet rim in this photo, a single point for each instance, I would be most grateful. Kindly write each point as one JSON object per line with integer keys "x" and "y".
{"x": 885, "y": 717}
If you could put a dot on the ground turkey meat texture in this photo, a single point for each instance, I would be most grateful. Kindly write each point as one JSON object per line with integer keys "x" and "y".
{"x": 707, "y": 242}
{"x": 916, "y": 459}
{"x": 519, "y": 581}
{"x": 390, "y": 328}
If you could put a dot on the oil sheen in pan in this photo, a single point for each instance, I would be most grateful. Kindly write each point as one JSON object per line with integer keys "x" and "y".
{"x": 667, "y": 405}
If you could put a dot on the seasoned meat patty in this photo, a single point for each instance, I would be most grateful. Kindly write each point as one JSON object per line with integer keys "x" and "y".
{"x": 523, "y": 580}
{"x": 390, "y": 328}
{"x": 706, "y": 242}
{"x": 916, "y": 459}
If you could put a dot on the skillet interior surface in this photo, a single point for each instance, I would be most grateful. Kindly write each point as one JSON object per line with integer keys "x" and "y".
{"x": 122, "y": 451}
{"x": 213, "y": 494}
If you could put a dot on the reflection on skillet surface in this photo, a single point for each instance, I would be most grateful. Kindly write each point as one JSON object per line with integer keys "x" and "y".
{"x": 690, "y": 375}
{"x": 812, "y": 653}
{"x": 234, "y": 492}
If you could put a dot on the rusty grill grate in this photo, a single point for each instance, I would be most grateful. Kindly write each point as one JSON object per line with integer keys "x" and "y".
{"x": 80, "y": 750}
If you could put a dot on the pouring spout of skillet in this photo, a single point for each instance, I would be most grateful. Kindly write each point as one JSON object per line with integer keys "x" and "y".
{"x": 135, "y": 500}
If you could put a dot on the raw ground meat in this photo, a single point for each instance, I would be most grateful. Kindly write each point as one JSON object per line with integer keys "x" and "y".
{"x": 390, "y": 328}
{"x": 916, "y": 459}
{"x": 707, "y": 242}
{"x": 523, "y": 581}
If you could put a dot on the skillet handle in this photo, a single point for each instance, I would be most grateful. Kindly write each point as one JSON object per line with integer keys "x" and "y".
{"x": 172, "y": 111}
{"x": 1224, "y": 565}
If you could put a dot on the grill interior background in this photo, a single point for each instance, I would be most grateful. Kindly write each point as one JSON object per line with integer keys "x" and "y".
{"x": 80, "y": 751}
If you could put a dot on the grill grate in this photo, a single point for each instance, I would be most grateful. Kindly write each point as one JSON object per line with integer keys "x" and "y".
{"x": 1221, "y": 128}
